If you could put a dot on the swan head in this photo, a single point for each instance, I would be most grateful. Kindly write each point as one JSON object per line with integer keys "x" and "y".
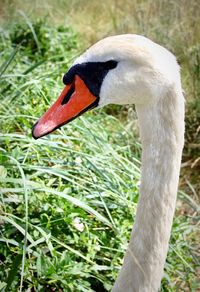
{"x": 123, "y": 69}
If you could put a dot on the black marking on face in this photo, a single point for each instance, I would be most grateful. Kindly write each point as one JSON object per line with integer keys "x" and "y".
{"x": 92, "y": 73}
{"x": 68, "y": 95}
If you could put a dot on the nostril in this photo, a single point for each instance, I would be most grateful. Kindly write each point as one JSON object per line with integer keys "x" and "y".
{"x": 68, "y": 95}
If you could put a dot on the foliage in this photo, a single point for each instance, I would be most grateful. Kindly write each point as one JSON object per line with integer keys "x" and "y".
{"x": 41, "y": 40}
{"x": 68, "y": 200}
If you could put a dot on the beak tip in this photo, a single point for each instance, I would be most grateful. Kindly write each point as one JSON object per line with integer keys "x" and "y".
{"x": 33, "y": 131}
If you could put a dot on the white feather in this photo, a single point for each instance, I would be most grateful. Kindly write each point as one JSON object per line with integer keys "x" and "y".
{"x": 148, "y": 76}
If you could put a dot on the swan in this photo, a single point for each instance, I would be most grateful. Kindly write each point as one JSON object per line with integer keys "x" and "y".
{"x": 132, "y": 69}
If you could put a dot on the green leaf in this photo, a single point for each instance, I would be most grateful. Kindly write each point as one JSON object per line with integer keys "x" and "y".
{"x": 13, "y": 271}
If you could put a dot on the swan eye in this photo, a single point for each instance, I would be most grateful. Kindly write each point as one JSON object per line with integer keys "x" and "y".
{"x": 68, "y": 94}
{"x": 111, "y": 64}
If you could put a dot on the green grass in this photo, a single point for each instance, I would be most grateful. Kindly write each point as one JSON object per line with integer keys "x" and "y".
{"x": 68, "y": 200}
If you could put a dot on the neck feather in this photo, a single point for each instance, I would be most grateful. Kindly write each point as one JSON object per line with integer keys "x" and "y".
{"x": 162, "y": 136}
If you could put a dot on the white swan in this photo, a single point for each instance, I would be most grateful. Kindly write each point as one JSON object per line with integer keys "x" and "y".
{"x": 128, "y": 69}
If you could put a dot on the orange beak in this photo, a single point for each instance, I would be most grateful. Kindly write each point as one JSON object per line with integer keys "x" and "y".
{"x": 73, "y": 101}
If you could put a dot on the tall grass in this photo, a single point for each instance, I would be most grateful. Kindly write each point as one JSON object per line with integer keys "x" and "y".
{"x": 173, "y": 24}
{"x": 68, "y": 200}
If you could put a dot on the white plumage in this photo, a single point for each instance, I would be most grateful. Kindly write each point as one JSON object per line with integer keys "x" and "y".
{"x": 148, "y": 76}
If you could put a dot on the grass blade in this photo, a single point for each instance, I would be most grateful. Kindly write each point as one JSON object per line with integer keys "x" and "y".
{"x": 13, "y": 271}
{"x": 5, "y": 65}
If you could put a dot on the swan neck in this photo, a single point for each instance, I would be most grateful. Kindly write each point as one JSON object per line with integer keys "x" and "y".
{"x": 162, "y": 135}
